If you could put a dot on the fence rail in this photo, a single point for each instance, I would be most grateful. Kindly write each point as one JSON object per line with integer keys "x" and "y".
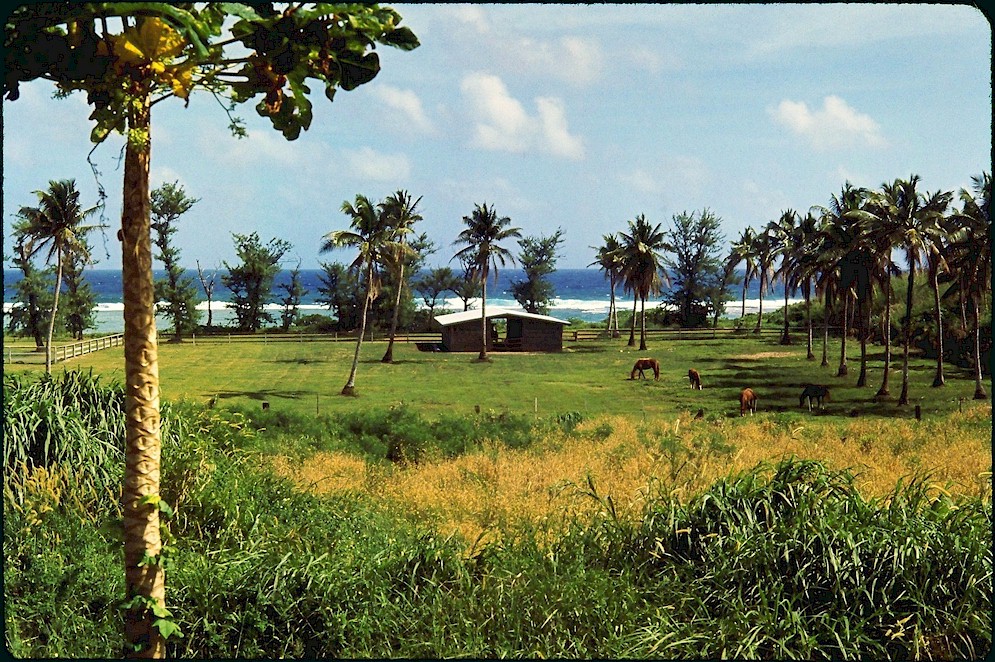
{"x": 82, "y": 347}
{"x": 581, "y": 335}
{"x": 63, "y": 352}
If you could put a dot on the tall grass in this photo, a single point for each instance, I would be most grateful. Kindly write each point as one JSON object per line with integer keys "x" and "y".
{"x": 786, "y": 559}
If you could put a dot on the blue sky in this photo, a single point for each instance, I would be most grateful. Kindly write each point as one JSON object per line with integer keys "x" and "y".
{"x": 577, "y": 117}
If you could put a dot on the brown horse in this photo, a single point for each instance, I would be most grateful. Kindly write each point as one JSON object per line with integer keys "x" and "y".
{"x": 645, "y": 364}
{"x": 747, "y": 400}
{"x": 694, "y": 378}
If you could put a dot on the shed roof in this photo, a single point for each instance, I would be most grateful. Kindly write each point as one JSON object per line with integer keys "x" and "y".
{"x": 493, "y": 311}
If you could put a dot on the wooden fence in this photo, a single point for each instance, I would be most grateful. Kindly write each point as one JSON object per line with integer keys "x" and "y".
{"x": 581, "y": 335}
{"x": 64, "y": 352}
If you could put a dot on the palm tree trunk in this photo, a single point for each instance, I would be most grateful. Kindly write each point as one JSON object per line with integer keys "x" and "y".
{"x": 612, "y": 312}
{"x": 760, "y": 309}
{"x": 864, "y": 312}
{"x": 350, "y": 385}
{"x": 742, "y": 313}
{"x": 808, "y": 317}
{"x": 785, "y": 338}
{"x": 846, "y": 305}
{"x": 903, "y": 399}
{"x": 632, "y": 324}
{"x": 483, "y": 319}
{"x": 979, "y": 389}
{"x": 938, "y": 379}
{"x": 642, "y": 325}
{"x": 883, "y": 392}
{"x": 140, "y": 491}
{"x": 388, "y": 356}
{"x": 55, "y": 310}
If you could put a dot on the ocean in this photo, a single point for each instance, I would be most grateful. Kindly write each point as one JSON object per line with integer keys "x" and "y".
{"x": 580, "y": 294}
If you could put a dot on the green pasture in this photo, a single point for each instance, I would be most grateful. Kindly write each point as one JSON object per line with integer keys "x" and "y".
{"x": 588, "y": 377}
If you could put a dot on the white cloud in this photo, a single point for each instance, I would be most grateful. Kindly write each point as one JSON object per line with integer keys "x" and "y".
{"x": 407, "y": 104}
{"x": 501, "y": 123}
{"x": 833, "y": 126}
{"x": 367, "y": 163}
{"x": 554, "y": 132}
{"x": 472, "y": 15}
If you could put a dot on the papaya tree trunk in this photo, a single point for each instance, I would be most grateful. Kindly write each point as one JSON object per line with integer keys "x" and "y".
{"x": 145, "y": 582}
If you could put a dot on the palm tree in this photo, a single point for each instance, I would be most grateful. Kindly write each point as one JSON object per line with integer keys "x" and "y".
{"x": 58, "y": 223}
{"x": 401, "y": 214}
{"x": 376, "y": 239}
{"x": 784, "y": 232}
{"x": 484, "y": 229}
{"x": 971, "y": 259}
{"x": 909, "y": 220}
{"x": 641, "y": 269}
{"x": 609, "y": 260}
{"x": 841, "y": 241}
{"x": 805, "y": 237}
{"x": 764, "y": 253}
{"x": 742, "y": 251}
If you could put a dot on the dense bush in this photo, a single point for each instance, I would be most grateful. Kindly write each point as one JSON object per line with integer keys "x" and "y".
{"x": 783, "y": 561}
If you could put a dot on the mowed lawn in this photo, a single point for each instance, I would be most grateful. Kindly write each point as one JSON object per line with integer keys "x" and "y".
{"x": 591, "y": 378}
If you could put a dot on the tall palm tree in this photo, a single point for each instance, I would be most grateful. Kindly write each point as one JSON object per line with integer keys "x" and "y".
{"x": 841, "y": 241}
{"x": 642, "y": 270}
{"x": 609, "y": 260}
{"x": 763, "y": 253}
{"x": 742, "y": 251}
{"x": 972, "y": 258}
{"x": 784, "y": 231}
{"x": 57, "y": 222}
{"x": 805, "y": 237}
{"x": 376, "y": 239}
{"x": 401, "y": 213}
{"x": 484, "y": 229}
{"x": 909, "y": 220}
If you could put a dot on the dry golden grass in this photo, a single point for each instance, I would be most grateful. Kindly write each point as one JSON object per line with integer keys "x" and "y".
{"x": 482, "y": 494}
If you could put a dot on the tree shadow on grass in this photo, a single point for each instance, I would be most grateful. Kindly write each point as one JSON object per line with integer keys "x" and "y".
{"x": 261, "y": 395}
{"x": 299, "y": 361}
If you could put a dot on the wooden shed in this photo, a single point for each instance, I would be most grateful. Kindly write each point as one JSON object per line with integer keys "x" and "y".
{"x": 524, "y": 332}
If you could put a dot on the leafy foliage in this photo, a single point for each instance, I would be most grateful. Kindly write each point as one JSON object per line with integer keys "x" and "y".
{"x": 251, "y": 281}
{"x": 538, "y": 260}
{"x": 168, "y": 203}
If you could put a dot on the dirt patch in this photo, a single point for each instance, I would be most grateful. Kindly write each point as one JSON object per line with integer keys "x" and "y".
{"x": 765, "y": 355}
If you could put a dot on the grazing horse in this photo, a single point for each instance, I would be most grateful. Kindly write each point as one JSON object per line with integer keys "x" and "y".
{"x": 814, "y": 392}
{"x": 645, "y": 364}
{"x": 694, "y": 378}
{"x": 747, "y": 400}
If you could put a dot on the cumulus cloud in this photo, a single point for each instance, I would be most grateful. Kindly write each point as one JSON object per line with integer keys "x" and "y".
{"x": 501, "y": 122}
{"x": 367, "y": 163}
{"x": 471, "y": 15}
{"x": 833, "y": 126}
{"x": 407, "y": 105}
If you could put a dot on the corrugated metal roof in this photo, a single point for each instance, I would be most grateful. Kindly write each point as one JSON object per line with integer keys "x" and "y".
{"x": 493, "y": 311}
